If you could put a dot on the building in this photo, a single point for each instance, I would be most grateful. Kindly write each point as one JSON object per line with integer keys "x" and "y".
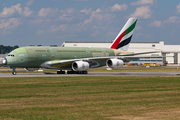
{"x": 2, "y": 56}
{"x": 169, "y": 53}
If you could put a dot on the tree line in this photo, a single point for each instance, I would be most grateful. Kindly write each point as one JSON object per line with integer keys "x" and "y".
{"x": 7, "y": 49}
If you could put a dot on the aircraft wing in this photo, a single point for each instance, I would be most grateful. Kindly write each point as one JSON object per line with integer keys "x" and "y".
{"x": 94, "y": 61}
{"x": 141, "y": 53}
{"x": 68, "y": 63}
{"x": 87, "y": 59}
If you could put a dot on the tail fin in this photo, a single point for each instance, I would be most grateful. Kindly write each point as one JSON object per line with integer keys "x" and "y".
{"x": 124, "y": 37}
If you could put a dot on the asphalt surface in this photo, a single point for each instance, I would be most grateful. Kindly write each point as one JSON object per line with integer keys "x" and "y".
{"x": 11, "y": 69}
{"x": 171, "y": 74}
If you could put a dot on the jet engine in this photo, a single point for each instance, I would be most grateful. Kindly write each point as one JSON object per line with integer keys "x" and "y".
{"x": 31, "y": 69}
{"x": 114, "y": 63}
{"x": 80, "y": 66}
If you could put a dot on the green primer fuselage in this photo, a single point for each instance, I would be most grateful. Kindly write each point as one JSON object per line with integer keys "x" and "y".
{"x": 33, "y": 57}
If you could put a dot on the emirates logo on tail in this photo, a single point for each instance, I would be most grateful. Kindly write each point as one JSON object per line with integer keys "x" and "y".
{"x": 124, "y": 37}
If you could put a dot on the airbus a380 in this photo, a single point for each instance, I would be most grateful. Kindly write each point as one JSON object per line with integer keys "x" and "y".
{"x": 75, "y": 59}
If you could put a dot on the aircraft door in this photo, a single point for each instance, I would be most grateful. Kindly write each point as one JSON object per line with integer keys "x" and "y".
{"x": 43, "y": 58}
{"x": 87, "y": 50}
{"x": 104, "y": 53}
{"x": 21, "y": 56}
{"x": 22, "y": 59}
{"x": 52, "y": 52}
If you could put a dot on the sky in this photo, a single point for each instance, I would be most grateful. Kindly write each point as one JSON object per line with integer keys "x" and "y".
{"x": 51, "y": 22}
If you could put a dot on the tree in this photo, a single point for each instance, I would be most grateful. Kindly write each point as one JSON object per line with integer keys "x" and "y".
{"x": 7, "y": 49}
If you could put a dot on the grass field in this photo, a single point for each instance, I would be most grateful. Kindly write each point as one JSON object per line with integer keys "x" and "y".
{"x": 90, "y": 98}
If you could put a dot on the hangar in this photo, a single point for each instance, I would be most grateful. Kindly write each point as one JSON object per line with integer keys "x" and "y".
{"x": 170, "y": 54}
{"x": 2, "y": 56}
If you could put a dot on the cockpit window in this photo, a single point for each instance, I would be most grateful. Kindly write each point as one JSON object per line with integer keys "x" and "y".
{"x": 11, "y": 55}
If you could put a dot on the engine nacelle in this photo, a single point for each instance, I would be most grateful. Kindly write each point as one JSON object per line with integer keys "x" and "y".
{"x": 114, "y": 63}
{"x": 80, "y": 66}
{"x": 31, "y": 69}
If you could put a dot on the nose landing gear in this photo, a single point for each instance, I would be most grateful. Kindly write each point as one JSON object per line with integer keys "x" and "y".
{"x": 14, "y": 71}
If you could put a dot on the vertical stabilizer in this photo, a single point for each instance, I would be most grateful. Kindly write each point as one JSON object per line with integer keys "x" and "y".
{"x": 124, "y": 37}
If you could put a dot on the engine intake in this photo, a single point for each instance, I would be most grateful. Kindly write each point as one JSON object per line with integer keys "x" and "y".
{"x": 80, "y": 66}
{"x": 115, "y": 63}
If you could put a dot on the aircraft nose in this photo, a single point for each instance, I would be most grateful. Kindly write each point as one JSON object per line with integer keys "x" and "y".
{"x": 5, "y": 61}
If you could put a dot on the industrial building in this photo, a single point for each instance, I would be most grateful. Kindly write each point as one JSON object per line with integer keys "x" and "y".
{"x": 169, "y": 53}
{"x": 2, "y": 56}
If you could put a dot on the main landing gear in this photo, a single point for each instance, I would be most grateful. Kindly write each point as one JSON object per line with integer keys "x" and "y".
{"x": 72, "y": 72}
{"x": 61, "y": 72}
{"x": 77, "y": 72}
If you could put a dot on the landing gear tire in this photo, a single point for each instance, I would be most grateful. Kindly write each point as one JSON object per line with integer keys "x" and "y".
{"x": 70, "y": 72}
{"x": 85, "y": 72}
{"x": 14, "y": 73}
{"x": 61, "y": 72}
{"x": 77, "y": 72}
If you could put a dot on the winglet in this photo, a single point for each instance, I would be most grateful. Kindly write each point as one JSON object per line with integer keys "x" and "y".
{"x": 124, "y": 37}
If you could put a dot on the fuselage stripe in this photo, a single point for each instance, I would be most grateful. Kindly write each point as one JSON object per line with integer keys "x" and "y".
{"x": 117, "y": 44}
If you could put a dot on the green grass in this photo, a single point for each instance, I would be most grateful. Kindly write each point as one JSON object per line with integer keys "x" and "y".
{"x": 90, "y": 98}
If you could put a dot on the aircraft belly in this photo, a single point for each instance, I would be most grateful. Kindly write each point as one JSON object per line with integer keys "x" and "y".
{"x": 102, "y": 63}
{"x": 65, "y": 65}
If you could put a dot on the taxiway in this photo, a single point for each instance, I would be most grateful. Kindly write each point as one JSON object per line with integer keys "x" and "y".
{"x": 175, "y": 73}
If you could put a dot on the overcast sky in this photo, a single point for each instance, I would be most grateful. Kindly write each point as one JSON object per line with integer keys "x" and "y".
{"x": 51, "y": 22}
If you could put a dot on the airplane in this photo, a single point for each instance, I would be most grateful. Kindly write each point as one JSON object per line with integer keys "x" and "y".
{"x": 77, "y": 60}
